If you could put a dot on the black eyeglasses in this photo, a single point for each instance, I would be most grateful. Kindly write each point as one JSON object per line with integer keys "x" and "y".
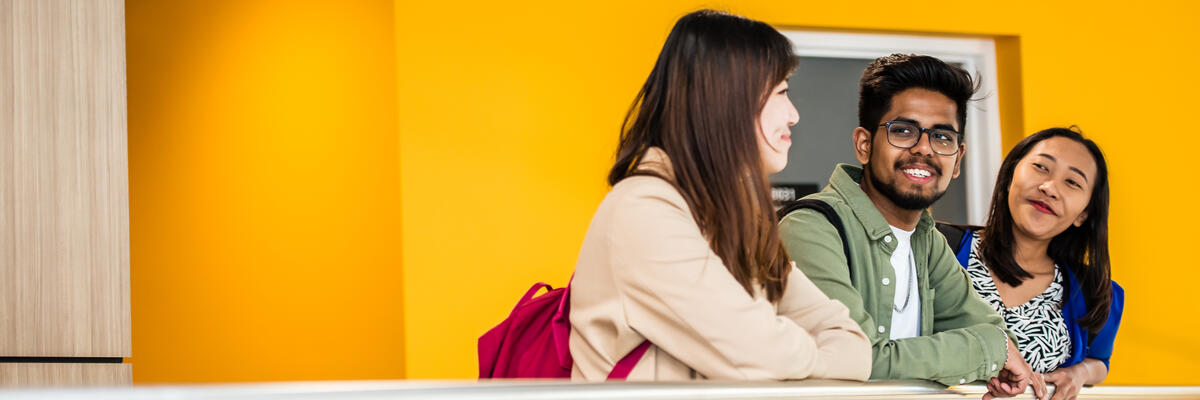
{"x": 906, "y": 135}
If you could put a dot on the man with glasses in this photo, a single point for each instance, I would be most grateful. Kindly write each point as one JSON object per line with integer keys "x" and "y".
{"x": 901, "y": 282}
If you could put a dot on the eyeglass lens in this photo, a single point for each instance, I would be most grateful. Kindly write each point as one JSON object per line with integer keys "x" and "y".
{"x": 906, "y": 135}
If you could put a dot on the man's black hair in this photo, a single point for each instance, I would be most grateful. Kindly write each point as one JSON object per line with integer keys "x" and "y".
{"x": 887, "y": 76}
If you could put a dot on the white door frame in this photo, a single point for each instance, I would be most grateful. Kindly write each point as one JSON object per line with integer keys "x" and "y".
{"x": 976, "y": 55}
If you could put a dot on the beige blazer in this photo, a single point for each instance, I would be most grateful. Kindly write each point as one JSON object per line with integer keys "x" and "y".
{"x": 646, "y": 272}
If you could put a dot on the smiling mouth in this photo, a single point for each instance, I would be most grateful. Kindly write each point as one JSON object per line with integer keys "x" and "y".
{"x": 1043, "y": 207}
{"x": 917, "y": 172}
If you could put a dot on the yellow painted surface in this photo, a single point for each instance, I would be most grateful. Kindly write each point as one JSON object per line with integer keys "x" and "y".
{"x": 275, "y": 145}
{"x": 508, "y": 115}
{"x": 264, "y": 191}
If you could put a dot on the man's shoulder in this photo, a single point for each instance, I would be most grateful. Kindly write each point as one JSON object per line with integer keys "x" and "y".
{"x": 830, "y": 196}
{"x": 808, "y": 210}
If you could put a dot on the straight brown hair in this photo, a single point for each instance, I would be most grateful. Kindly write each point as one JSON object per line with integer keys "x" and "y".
{"x": 701, "y": 105}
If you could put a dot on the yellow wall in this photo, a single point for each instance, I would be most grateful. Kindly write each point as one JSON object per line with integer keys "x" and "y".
{"x": 264, "y": 191}
{"x": 508, "y": 116}
{"x": 274, "y": 146}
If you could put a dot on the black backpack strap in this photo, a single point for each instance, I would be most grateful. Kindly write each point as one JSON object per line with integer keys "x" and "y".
{"x": 831, "y": 215}
{"x": 955, "y": 233}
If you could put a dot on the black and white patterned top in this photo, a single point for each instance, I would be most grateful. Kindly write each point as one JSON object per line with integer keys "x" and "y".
{"x": 1038, "y": 324}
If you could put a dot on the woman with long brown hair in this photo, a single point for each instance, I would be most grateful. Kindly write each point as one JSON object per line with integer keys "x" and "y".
{"x": 682, "y": 259}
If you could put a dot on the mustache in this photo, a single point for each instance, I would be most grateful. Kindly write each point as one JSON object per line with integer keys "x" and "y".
{"x": 914, "y": 160}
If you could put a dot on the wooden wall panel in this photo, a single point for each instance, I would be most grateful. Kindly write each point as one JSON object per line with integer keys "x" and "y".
{"x": 64, "y": 230}
{"x": 63, "y": 374}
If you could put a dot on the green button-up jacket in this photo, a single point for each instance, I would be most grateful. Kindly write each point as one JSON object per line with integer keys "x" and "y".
{"x": 962, "y": 339}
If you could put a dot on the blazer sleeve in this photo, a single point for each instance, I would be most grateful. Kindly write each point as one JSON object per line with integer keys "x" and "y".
{"x": 843, "y": 346}
{"x": 677, "y": 294}
{"x": 1101, "y": 346}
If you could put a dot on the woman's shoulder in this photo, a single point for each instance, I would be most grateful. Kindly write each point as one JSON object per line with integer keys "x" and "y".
{"x": 1072, "y": 284}
{"x": 1118, "y": 296}
{"x": 644, "y": 216}
{"x": 645, "y": 189}
{"x": 640, "y": 199}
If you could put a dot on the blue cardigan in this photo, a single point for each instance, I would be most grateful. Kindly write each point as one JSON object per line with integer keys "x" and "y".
{"x": 1084, "y": 344}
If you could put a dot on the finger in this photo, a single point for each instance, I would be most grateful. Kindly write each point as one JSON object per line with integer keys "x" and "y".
{"x": 988, "y": 396}
{"x": 993, "y": 389}
{"x": 1039, "y": 387}
{"x": 1024, "y": 383}
{"x": 1060, "y": 393}
{"x": 1010, "y": 389}
{"x": 996, "y": 393}
{"x": 1066, "y": 392}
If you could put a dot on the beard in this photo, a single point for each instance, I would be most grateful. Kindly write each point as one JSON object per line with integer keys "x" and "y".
{"x": 907, "y": 201}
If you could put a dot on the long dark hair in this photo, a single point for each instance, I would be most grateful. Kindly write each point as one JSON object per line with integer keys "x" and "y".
{"x": 1083, "y": 249}
{"x": 700, "y": 105}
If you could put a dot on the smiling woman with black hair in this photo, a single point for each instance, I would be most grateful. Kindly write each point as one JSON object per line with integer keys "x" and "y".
{"x": 1042, "y": 261}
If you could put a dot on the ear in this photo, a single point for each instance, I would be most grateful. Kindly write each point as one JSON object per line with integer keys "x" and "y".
{"x": 958, "y": 158}
{"x": 1080, "y": 219}
{"x": 862, "y": 145}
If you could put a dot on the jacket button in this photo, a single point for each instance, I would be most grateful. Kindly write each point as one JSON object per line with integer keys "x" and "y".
{"x": 887, "y": 239}
{"x": 881, "y": 329}
{"x": 886, "y": 281}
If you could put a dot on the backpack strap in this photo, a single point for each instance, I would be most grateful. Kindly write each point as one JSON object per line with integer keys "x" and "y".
{"x": 529, "y": 296}
{"x": 955, "y": 234}
{"x": 625, "y": 366}
{"x": 958, "y": 237}
{"x": 830, "y": 215}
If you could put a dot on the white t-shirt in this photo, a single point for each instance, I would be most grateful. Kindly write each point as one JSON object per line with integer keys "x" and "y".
{"x": 906, "y": 323}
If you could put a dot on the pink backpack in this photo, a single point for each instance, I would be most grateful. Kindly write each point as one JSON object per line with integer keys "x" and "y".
{"x": 533, "y": 341}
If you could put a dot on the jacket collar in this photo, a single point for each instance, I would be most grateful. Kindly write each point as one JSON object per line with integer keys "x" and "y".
{"x": 655, "y": 160}
{"x": 845, "y": 181}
